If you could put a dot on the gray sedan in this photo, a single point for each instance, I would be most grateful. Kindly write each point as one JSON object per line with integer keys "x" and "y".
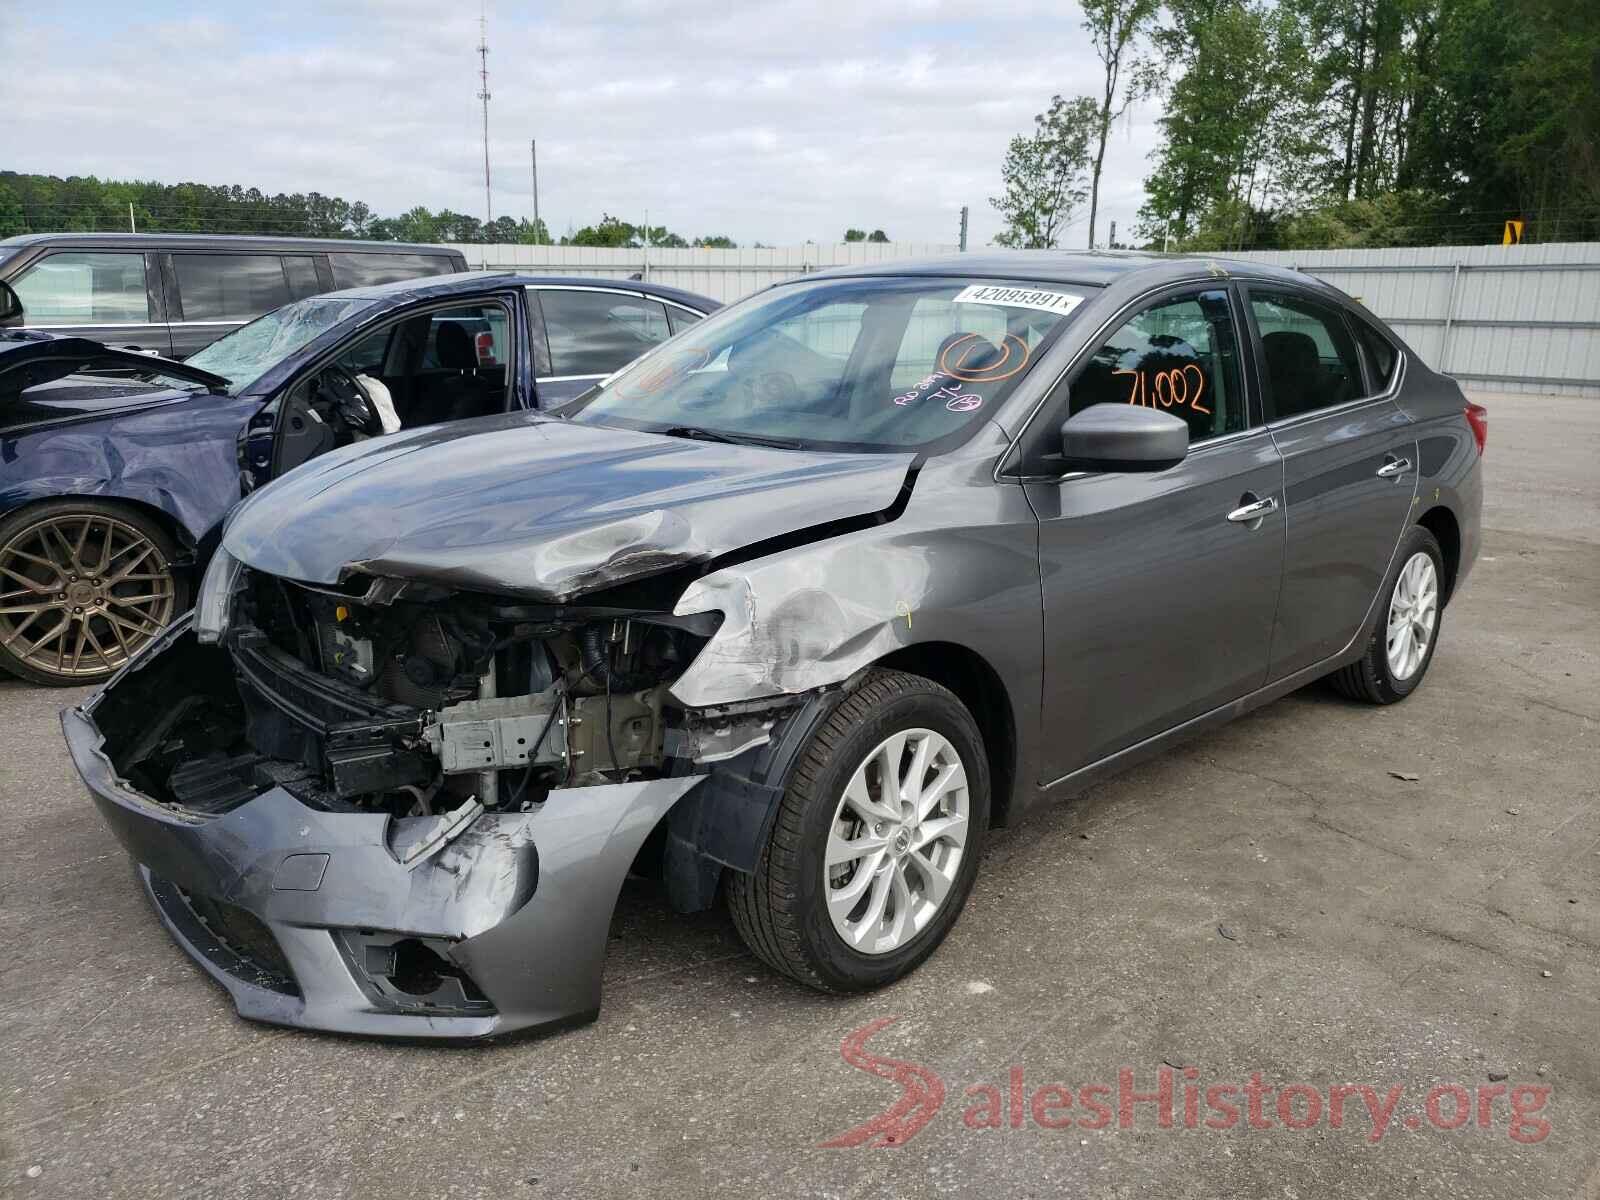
{"x": 791, "y": 611}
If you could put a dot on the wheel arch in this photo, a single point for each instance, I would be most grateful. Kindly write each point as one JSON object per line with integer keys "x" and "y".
{"x": 166, "y": 520}
{"x": 1442, "y": 523}
{"x": 978, "y": 686}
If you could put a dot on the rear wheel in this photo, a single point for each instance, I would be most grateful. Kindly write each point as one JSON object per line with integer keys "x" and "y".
{"x": 1406, "y": 629}
{"x": 876, "y": 841}
{"x": 83, "y": 586}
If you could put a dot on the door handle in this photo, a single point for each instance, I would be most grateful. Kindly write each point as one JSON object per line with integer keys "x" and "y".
{"x": 1254, "y": 510}
{"x": 142, "y": 350}
{"x": 1393, "y": 467}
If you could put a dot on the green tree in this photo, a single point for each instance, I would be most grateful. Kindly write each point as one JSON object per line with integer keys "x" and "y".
{"x": 716, "y": 242}
{"x": 1116, "y": 29}
{"x": 1043, "y": 175}
{"x": 855, "y": 235}
{"x": 12, "y": 221}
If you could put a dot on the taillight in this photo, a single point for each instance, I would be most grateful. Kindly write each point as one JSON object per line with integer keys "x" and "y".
{"x": 1478, "y": 418}
{"x": 485, "y": 346}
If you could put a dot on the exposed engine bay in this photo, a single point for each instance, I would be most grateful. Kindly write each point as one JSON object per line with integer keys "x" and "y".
{"x": 413, "y": 701}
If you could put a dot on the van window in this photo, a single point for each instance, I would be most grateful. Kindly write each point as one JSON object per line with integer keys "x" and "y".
{"x": 80, "y": 288}
{"x": 302, "y": 272}
{"x": 366, "y": 270}
{"x": 229, "y": 287}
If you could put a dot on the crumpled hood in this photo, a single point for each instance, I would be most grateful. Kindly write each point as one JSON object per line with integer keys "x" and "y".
{"x": 528, "y": 505}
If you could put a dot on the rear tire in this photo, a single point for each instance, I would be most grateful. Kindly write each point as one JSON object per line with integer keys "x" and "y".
{"x": 84, "y": 585}
{"x": 1405, "y": 630}
{"x": 859, "y": 882}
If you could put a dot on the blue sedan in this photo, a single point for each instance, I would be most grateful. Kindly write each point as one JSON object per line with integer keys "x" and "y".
{"x": 116, "y": 469}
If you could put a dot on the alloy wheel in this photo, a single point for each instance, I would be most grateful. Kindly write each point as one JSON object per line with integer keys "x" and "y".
{"x": 80, "y": 593}
{"x": 1413, "y": 613}
{"x": 896, "y": 841}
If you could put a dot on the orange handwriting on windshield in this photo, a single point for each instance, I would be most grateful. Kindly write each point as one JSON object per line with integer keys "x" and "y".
{"x": 1168, "y": 388}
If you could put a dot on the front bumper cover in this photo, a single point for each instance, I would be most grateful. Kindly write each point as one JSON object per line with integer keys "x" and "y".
{"x": 517, "y": 904}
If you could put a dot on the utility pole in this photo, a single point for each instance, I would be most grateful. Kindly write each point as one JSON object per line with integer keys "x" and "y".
{"x": 483, "y": 95}
{"x": 131, "y": 228}
{"x": 1111, "y": 242}
{"x": 533, "y": 152}
{"x": 963, "y": 229}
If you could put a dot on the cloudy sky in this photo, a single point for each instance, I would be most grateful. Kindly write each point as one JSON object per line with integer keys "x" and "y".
{"x": 771, "y": 121}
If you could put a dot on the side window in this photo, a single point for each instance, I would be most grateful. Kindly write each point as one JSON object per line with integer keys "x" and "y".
{"x": 1310, "y": 356}
{"x": 1381, "y": 355}
{"x": 484, "y": 344}
{"x": 596, "y": 333}
{"x": 302, "y": 272}
{"x": 1180, "y": 355}
{"x": 359, "y": 269}
{"x": 229, "y": 287}
{"x": 367, "y": 356}
{"x": 85, "y": 289}
{"x": 682, "y": 318}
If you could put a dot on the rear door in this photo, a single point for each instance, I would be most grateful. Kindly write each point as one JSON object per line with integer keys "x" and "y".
{"x": 1350, "y": 471}
{"x": 108, "y": 296}
{"x": 1159, "y": 587}
{"x": 210, "y": 293}
{"x": 589, "y": 333}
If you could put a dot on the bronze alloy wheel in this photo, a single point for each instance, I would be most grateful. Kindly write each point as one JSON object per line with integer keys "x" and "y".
{"x": 80, "y": 593}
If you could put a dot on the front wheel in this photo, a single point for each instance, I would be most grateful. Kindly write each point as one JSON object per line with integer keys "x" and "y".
{"x": 1406, "y": 629}
{"x": 84, "y": 584}
{"x": 876, "y": 841}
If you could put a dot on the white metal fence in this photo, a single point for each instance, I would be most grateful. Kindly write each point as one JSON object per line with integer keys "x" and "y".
{"x": 724, "y": 275}
{"x": 1518, "y": 318}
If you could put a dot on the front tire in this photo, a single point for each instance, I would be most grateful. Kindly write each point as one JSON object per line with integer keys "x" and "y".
{"x": 84, "y": 584}
{"x": 875, "y": 844}
{"x": 1405, "y": 631}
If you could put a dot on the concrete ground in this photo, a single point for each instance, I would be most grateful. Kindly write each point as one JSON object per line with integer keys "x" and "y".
{"x": 1271, "y": 899}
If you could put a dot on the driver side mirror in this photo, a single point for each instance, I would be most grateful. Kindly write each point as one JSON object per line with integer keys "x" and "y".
{"x": 10, "y": 306}
{"x": 1112, "y": 436}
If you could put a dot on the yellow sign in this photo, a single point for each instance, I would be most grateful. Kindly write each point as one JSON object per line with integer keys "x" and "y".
{"x": 1513, "y": 234}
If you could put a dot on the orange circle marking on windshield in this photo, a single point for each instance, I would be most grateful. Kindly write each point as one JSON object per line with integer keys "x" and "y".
{"x": 992, "y": 373}
{"x": 654, "y": 380}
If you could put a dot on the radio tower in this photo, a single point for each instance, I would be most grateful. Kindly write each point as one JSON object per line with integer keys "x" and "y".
{"x": 483, "y": 94}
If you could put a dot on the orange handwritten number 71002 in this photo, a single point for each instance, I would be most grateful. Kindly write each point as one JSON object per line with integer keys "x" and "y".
{"x": 1167, "y": 388}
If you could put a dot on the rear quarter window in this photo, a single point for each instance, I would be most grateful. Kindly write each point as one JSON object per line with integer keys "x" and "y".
{"x": 1382, "y": 357}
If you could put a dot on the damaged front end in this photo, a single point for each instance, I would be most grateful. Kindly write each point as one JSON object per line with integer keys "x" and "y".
{"x": 391, "y": 808}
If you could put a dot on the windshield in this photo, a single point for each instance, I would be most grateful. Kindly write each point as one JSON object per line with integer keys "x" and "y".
{"x": 887, "y": 364}
{"x": 246, "y": 354}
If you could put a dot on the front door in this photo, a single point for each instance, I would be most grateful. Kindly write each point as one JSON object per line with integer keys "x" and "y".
{"x": 1159, "y": 587}
{"x": 1350, "y": 472}
{"x": 442, "y": 364}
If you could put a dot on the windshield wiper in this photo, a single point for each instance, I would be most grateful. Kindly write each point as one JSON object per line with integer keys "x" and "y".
{"x": 700, "y": 433}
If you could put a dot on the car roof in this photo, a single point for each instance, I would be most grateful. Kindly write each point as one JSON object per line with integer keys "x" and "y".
{"x": 202, "y": 241}
{"x": 1086, "y": 268}
{"x": 438, "y": 286}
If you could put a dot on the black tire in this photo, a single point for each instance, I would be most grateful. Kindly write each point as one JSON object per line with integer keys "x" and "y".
{"x": 780, "y": 909}
{"x": 1370, "y": 678}
{"x": 26, "y": 582}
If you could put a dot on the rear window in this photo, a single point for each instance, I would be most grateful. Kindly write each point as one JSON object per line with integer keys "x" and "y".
{"x": 365, "y": 270}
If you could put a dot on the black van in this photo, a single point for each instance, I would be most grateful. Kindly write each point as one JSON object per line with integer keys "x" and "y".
{"x": 173, "y": 294}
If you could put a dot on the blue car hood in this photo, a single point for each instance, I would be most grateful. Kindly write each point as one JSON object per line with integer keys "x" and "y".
{"x": 526, "y": 505}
